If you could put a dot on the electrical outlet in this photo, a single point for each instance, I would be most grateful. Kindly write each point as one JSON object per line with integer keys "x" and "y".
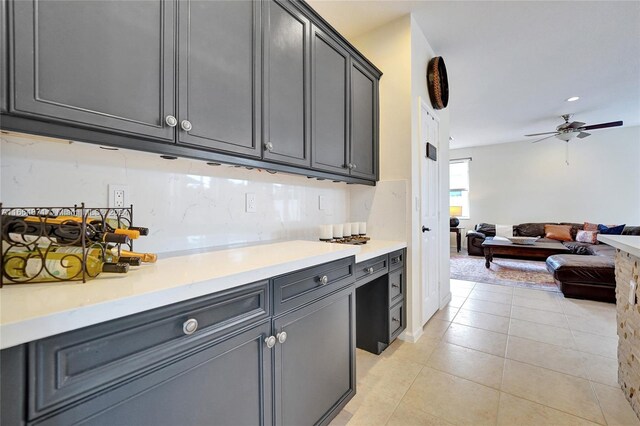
{"x": 323, "y": 203}
{"x": 118, "y": 196}
{"x": 250, "y": 202}
{"x": 632, "y": 292}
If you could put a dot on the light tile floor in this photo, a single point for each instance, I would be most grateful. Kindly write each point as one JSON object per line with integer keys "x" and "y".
{"x": 497, "y": 355}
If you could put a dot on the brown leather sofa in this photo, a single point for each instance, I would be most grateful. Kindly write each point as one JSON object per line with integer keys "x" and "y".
{"x": 587, "y": 273}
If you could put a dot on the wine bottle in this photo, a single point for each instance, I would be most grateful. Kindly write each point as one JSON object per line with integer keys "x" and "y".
{"x": 144, "y": 257}
{"x": 117, "y": 226}
{"x": 64, "y": 232}
{"x": 107, "y": 255}
{"x": 99, "y": 224}
{"x": 56, "y": 266}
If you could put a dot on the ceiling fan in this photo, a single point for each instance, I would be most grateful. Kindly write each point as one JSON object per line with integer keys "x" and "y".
{"x": 566, "y": 131}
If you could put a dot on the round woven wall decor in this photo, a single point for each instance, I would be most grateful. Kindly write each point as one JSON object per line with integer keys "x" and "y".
{"x": 438, "y": 83}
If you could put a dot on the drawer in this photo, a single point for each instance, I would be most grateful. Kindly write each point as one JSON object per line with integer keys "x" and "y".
{"x": 304, "y": 286}
{"x": 75, "y": 365}
{"x": 396, "y": 259}
{"x": 396, "y": 321}
{"x": 371, "y": 269}
{"x": 396, "y": 286}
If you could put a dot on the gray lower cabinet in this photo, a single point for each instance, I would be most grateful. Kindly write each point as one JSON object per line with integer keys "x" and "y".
{"x": 228, "y": 358}
{"x": 315, "y": 365}
{"x": 380, "y": 301}
{"x": 286, "y": 102}
{"x": 364, "y": 119}
{"x": 329, "y": 103}
{"x": 219, "y": 75}
{"x": 107, "y": 65}
{"x": 228, "y": 383}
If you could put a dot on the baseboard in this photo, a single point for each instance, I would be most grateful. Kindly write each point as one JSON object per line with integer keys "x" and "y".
{"x": 411, "y": 337}
{"x": 444, "y": 302}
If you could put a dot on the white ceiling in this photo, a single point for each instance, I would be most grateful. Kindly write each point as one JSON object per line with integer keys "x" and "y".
{"x": 512, "y": 64}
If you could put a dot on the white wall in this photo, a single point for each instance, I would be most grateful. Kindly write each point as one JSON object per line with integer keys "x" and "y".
{"x": 421, "y": 54}
{"x": 185, "y": 203}
{"x": 401, "y": 51}
{"x": 525, "y": 182}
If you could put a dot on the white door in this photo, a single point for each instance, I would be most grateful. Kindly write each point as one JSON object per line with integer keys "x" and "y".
{"x": 429, "y": 195}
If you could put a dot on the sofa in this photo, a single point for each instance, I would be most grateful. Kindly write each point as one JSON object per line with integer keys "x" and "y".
{"x": 587, "y": 273}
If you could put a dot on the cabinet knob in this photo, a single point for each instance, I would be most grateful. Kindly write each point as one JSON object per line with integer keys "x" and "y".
{"x": 323, "y": 280}
{"x": 395, "y": 260}
{"x": 282, "y": 336}
{"x": 186, "y": 125}
{"x": 353, "y": 166}
{"x": 190, "y": 326}
{"x": 369, "y": 270}
{"x": 350, "y": 166}
{"x": 394, "y": 319}
{"x": 171, "y": 121}
{"x": 270, "y": 341}
{"x": 268, "y": 146}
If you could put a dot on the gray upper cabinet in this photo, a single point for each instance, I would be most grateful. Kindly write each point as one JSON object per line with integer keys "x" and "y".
{"x": 329, "y": 103}
{"x": 364, "y": 122}
{"x": 219, "y": 75}
{"x": 3, "y": 55}
{"x": 261, "y": 83}
{"x": 286, "y": 82}
{"x": 103, "y": 64}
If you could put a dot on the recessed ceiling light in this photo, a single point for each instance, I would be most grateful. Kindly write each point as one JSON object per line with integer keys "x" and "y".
{"x": 573, "y": 98}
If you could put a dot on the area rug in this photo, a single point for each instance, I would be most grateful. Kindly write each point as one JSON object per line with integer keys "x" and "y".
{"x": 513, "y": 272}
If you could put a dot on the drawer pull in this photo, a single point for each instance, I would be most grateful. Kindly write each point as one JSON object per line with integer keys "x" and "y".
{"x": 190, "y": 326}
{"x": 282, "y": 337}
{"x": 270, "y": 341}
{"x": 394, "y": 319}
{"x": 323, "y": 280}
{"x": 369, "y": 270}
{"x": 394, "y": 285}
{"x": 395, "y": 260}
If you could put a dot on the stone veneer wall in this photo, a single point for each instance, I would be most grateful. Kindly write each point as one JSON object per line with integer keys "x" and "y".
{"x": 628, "y": 328}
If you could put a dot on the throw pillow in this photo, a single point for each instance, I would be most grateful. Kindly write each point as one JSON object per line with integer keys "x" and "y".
{"x": 590, "y": 226}
{"x": 558, "y": 232}
{"x": 590, "y": 237}
{"x": 611, "y": 230}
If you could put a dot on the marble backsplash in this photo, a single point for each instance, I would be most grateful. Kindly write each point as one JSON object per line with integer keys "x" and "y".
{"x": 186, "y": 204}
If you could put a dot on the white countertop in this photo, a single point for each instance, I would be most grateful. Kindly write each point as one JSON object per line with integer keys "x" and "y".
{"x": 34, "y": 311}
{"x": 628, "y": 243}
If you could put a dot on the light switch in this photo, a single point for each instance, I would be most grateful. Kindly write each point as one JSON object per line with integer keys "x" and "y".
{"x": 632, "y": 292}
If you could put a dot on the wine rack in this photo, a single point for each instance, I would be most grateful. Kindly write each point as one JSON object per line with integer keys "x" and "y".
{"x": 41, "y": 245}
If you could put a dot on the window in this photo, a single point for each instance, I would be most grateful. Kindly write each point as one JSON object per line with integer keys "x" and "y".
{"x": 459, "y": 187}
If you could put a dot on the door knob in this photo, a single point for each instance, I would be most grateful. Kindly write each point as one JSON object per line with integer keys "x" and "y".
{"x": 425, "y": 229}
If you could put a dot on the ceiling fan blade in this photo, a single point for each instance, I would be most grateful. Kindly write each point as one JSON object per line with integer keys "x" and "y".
{"x": 540, "y": 140}
{"x": 602, "y": 125}
{"x": 540, "y": 134}
{"x": 576, "y": 124}
{"x": 582, "y": 135}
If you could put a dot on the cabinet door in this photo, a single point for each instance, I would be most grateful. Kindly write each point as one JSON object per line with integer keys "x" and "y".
{"x": 286, "y": 84}
{"x": 329, "y": 103}
{"x": 219, "y": 75}
{"x": 3, "y": 55}
{"x": 107, "y": 65}
{"x": 364, "y": 122}
{"x": 315, "y": 366}
{"x": 228, "y": 383}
